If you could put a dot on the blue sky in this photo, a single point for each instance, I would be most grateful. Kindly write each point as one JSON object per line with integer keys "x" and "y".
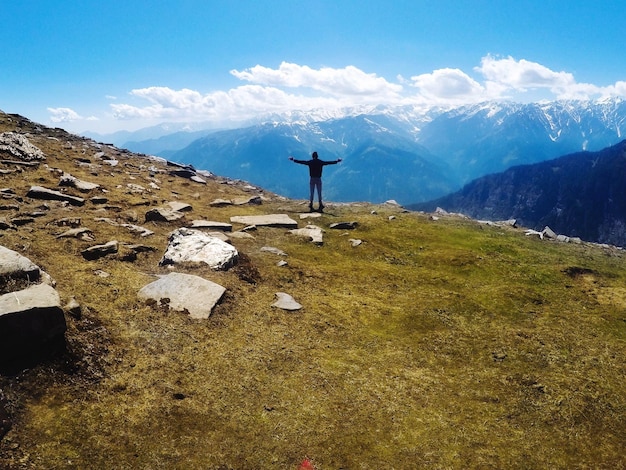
{"x": 110, "y": 65}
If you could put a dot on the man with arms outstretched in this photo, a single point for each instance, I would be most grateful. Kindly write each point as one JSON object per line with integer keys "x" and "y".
{"x": 315, "y": 172}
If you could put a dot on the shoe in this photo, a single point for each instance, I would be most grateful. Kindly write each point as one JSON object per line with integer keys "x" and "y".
{"x": 321, "y": 209}
{"x": 311, "y": 208}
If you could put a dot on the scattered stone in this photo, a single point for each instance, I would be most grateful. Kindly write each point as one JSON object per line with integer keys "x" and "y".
{"x": 275, "y": 251}
{"x": 9, "y": 207}
{"x": 548, "y": 232}
{"x": 221, "y": 203}
{"x": 344, "y": 225}
{"x": 4, "y": 224}
{"x": 184, "y": 292}
{"x": 179, "y": 206}
{"x": 189, "y": 245}
{"x": 15, "y": 266}
{"x": 162, "y": 214}
{"x": 99, "y": 251}
{"x": 241, "y": 235}
{"x": 286, "y": 302}
{"x": 19, "y": 221}
{"x": 254, "y": 200}
{"x": 355, "y": 242}
{"x": 82, "y": 233}
{"x": 310, "y": 215}
{"x": 269, "y": 220}
{"x": 39, "y": 192}
{"x": 98, "y": 200}
{"x": 68, "y": 222}
{"x": 101, "y": 273}
{"x": 135, "y": 188}
{"x": 207, "y": 224}
{"x": 314, "y": 233}
{"x": 281, "y": 263}
{"x": 84, "y": 186}
{"x": 392, "y": 217}
{"x": 74, "y": 308}
{"x": 141, "y": 231}
{"x": 392, "y": 202}
{"x": 32, "y": 327}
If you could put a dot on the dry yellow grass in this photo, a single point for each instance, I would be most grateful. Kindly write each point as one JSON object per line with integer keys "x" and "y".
{"x": 439, "y": 344}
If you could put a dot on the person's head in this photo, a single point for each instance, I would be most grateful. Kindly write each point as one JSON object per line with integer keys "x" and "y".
{"x": 314, "y": 155}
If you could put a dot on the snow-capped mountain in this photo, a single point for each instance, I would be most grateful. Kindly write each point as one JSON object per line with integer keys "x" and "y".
{"x": 410, "y": 154}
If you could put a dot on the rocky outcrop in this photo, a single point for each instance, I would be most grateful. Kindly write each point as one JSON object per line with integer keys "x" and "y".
{"x": 17, "y": 146}
{"x": 187, "y": 245}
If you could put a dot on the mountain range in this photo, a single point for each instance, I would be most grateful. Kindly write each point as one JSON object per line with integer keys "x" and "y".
{"x": 404, "y": 153}
{"x": 581, "y": 195}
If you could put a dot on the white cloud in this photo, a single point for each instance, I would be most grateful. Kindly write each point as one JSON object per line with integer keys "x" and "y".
{"x": 293, "y": 87}
{"x": 337, "y": 82}
{"x": 63, "y": 115}
{"x": 449, "y": 86}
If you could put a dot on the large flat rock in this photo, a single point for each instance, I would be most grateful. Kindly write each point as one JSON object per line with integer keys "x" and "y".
{"x": 185, "y": 292}
{"x": 267, "y": 220}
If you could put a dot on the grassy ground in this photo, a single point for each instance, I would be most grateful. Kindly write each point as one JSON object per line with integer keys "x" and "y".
{"x": 439, "y": 344}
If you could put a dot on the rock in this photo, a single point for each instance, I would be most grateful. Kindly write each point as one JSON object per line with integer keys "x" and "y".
{"x": 68, "y": 222}
{"x": 275, "y": 251}
{"x": 32, "y": 327}
{"x": 207, "y": 224}
{"x": 81, "y": 233}
{"x": 141, "y": 231}
{"x": 15, "y": 266}
{"x": 39, "y": 192}
{"x": 99, "y": 251}
{"x": 98, "y": 200}
{"x": 179, "y": 206}
{"x": 255, "y": 200}
{"x": 355, "y": 242}
{"x": 269, "y": 220}
{"x": 221, "y": 203}
{"x": 13, "y": 145}
{"x": 162, "y": 214}
{"x": 184, "y": 292}
{"x": 286, "y": 302}
{"x": 310, "y": 215}
{"x": 548, "y": 232}
{"x": 241, "y": 235}
{"x": 314, "y": 233}
{"x": 74, "y": 308}
{"x": 281, "y": 263}
{"x": 344, "y": 225}
{"x": 5, "y": 224}
{"x": 69, "y": 180}
{"x": 195, "y": 246}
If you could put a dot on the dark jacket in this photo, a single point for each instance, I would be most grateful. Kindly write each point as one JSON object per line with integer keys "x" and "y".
{"x": 315, "y": 166}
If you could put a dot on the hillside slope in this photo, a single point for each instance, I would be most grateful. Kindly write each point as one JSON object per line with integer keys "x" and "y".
{"x": 437, "y": 343}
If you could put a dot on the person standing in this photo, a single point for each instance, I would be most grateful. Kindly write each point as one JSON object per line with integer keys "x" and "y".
{"x": 315, "y": 172}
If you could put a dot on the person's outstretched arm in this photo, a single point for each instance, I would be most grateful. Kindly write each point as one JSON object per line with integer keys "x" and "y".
{"x": 298, "y": 161}
{"x": 332, "y": 162}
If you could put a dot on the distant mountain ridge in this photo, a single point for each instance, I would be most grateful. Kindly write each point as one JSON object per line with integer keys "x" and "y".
{"x": 581, "y": 195}
{"x": 404, "y": 153}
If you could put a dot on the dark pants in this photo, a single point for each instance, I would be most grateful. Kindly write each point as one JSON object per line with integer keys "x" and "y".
{"x": 316, "y": 183}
